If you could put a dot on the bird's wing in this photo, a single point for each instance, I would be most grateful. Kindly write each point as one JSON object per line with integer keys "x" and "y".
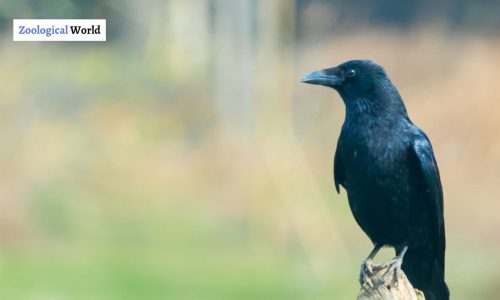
{"x": 338, "y": 169}
{"x": 427, "y": 167}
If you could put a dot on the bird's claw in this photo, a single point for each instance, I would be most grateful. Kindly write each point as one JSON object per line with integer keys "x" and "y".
{"x": 392, "y": 273}
{"x": 366, "y": 273}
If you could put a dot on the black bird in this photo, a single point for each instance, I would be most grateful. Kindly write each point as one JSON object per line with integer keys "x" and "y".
{"x": 387, "y": 166}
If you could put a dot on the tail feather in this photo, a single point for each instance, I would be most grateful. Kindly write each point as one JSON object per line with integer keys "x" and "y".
{"x": 425, "y": 271}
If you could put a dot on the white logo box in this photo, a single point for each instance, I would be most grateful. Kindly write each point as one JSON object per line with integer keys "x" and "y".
{"x": 52, "y": 30}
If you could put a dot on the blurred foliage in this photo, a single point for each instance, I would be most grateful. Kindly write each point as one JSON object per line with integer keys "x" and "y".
{"x": 121, "y": 177}
{"x": 457, "y": 14}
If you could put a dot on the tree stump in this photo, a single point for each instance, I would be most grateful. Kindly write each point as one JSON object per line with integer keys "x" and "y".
{"x": 401, "y": 290}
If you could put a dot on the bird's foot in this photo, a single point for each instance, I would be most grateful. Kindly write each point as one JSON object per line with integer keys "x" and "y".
{"x": 392, "y": 272}
{"x": 366, "y": 272}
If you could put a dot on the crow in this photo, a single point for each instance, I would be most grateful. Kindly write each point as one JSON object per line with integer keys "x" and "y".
{"x": 387, "y": 166}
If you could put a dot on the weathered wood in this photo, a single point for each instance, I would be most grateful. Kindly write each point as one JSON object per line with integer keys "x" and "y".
{"x": 379, "y": 290}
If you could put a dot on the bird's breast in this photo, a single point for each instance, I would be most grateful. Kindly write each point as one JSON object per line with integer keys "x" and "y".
{"x": 376, "y": 180}
{"x": 376, "y": 157}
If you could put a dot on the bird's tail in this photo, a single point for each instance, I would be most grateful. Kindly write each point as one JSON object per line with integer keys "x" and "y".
{"x": 425, "y": 270}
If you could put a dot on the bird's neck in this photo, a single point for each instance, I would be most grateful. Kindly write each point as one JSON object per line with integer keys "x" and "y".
{"x": 374, "y": 108}
{"x": 382, "y": 101}
{"x": 367, "y": 114}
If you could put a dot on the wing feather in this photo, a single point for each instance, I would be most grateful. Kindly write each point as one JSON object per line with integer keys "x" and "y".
{"x": 338, "y": 170}
{"x": 426, "y": 162}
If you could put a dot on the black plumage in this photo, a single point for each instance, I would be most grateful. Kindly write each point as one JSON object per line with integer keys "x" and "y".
{"x": 387, "y": 166}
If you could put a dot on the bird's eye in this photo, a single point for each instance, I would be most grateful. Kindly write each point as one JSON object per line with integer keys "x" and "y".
{"x": 350, "y": 73}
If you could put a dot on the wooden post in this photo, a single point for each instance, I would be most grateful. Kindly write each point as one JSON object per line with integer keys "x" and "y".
{"x": 402, "y": 290}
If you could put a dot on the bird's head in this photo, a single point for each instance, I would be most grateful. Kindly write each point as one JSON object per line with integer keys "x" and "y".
{"x": 352, "y": 79}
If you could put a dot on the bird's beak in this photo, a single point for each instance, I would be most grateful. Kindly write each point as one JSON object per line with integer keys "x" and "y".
{"x": 321, "y": 78}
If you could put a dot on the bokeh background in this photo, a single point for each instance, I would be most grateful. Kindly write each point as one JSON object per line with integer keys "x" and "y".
{"x": 183, "y": 160}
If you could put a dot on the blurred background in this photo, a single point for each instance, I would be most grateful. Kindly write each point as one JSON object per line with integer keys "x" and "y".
{"x": 183, "y": 160}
